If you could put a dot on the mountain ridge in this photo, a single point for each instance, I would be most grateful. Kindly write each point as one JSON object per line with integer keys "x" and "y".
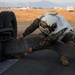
{"x": 42, "y": 4}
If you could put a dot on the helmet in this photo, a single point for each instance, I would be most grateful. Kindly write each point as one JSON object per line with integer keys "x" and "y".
{"x": 48, "y": 23}
{"x": 49, "y": 19}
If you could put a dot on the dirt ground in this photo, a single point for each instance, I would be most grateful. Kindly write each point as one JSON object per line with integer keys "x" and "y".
{"x": 27, "y": 16}
{"x": 30, "y": 15}
{"x": 23, "y": 25}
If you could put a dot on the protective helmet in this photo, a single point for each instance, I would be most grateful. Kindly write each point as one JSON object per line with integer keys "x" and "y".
{"x": 49, "y": 19}
{"x": 48, "y": 23}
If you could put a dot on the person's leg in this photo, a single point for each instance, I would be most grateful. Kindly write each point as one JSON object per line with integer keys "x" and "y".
{"x": 69, "y": 39}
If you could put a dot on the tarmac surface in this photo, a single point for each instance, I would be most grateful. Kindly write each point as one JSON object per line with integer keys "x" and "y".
{"x": 44, "y": 62}
{"x": 41, "y": 63}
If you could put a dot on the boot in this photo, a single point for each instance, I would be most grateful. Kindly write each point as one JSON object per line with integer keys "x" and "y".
{"x": 64, "y": 60}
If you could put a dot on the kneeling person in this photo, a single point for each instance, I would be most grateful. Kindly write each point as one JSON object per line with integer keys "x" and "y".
{"x": 54, "y": 27}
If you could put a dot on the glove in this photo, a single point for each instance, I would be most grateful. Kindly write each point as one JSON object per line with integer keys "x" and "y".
{"x": 30, "y": 51}
{"x": 20, "y": 37}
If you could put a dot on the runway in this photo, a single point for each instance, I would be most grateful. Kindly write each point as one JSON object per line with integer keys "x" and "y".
{"x": 44, "y": 62}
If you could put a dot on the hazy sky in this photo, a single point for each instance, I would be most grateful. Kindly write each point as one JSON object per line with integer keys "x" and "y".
{"x": 57, "y": 1}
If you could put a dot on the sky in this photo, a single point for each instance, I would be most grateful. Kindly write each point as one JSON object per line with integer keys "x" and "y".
{"x": 56, "y": 1}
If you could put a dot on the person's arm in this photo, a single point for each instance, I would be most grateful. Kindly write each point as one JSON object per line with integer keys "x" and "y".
{"x": 32, "y": 27}
{"x": 47, "y": 41}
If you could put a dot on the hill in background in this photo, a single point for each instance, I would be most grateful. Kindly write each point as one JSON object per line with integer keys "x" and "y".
{"x": 42, "y": 4}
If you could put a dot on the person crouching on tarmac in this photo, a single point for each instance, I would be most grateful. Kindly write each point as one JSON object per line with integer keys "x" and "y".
{"x": 54, "y": 27}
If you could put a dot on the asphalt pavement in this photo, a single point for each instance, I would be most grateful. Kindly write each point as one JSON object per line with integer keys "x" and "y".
{"x": 43, "y": 62}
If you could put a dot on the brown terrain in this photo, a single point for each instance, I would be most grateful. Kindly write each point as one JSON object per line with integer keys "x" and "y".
{"x": 30, "y": 15}
{"x": 24, "y": 18}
